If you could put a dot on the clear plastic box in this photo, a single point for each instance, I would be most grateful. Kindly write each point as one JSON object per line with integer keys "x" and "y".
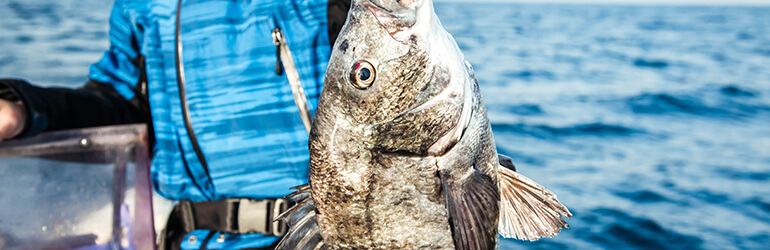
{"x": 77, "y": 189}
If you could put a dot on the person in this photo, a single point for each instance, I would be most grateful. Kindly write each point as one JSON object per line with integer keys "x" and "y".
{"x": 207, "y": 75}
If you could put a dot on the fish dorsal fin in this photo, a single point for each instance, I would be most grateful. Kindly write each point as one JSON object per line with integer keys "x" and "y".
{"x": 506, "y": 162}
{"x": 528, "y": 211}
{"x": 304, "y": 232}
{"x": 473, "y": 208}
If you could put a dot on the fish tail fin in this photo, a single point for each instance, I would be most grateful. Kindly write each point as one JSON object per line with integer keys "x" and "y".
{"x": 528, "y": 211}
{"x": 304, "y": 232}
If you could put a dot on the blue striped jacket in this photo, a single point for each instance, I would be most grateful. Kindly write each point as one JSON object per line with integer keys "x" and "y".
{"x": 242, "y": 111}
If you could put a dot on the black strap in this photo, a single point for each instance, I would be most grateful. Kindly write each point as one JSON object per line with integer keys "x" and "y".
{"x": 205, "y": 242}
{"x": 234, "y": 216}
{"x": 215, "y": 215}
{"x": 179, "y": 224}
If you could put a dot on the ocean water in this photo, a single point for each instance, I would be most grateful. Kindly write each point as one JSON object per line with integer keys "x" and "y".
{"x": 649, "y": 123}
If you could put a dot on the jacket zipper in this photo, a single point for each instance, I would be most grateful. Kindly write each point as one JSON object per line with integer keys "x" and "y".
{"x": 185, "y": 108}
{"x": 285, "y": 62}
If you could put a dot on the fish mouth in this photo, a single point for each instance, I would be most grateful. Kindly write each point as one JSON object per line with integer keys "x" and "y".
{"x": 373, "y": 7}
{"x": 383, "y": 17}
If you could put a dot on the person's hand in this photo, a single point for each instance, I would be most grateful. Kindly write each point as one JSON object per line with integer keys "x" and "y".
{"x": 12, "y": 119}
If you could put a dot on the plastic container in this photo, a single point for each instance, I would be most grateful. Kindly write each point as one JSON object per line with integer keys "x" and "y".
{"x": 77, "y": 189}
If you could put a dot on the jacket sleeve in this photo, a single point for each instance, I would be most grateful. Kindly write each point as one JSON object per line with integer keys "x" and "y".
{"x": 114, "y": 93}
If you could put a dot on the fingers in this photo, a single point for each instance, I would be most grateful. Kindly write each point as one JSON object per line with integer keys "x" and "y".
{"x": 12, "y": 119}
{"x": 7, "y": 129}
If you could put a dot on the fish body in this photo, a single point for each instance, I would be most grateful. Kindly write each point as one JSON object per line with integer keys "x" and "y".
{"x": 402, "y": 153}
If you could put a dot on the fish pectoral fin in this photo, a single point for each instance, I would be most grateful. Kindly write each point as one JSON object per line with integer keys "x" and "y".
{"x": 473, "y": 208}
{"x": 528, "y": 211}
{"x": 304, "y": 232}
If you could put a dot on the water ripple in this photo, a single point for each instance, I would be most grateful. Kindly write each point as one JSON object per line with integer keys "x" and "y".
{"x": 550, "y": 132}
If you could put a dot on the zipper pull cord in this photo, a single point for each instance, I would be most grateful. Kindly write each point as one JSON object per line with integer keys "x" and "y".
{"x": 284, "y": 54}
{"x": 277, "y": 42}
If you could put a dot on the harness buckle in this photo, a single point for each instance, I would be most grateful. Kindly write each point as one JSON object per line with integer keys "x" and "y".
{"x": 257, "y": 216}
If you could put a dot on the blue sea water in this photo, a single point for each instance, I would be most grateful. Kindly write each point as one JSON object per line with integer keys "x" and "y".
{"x": 649, "y": 123}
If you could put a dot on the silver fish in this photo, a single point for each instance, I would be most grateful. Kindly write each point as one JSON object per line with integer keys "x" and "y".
{"x": 401, "y": 149}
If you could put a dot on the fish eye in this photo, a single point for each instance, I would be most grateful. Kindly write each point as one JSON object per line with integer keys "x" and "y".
{"x": 405, "y": 2}
{"x": 363, "y": 74}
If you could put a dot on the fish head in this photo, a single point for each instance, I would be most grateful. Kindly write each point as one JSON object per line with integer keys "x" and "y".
{"x": 380, "y": 61}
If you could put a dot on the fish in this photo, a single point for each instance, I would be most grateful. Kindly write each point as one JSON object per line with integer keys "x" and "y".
{"x": 402, "y": 154}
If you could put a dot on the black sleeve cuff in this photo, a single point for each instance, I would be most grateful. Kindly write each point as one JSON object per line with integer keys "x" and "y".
{"x": 20, "y": 90}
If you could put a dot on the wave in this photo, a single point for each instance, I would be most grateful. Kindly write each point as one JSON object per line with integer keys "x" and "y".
{"x": 620, "y": 230}
{"x": 24, "y": 39}
{"x": 758, "y": 208}
{"x": 77, "y": 49}
{"x": 763, "y": 52}
{"x": 530, "y": 74}
{"x": 648, "y": 63}
{"x": 758, "y": 203}
{"x": 6, "y": 60}
{"x": 665, "y": 104}
{"x": 523, "y": 109}
{"x": 713, "y": 19}
{"x": 735, "y": 91}
{"x": 738, "y": 174}
{"x": 526, "y": 109}
{"x": 643, "y": 196}
{"x": 754, "y": 207}
{"x": 550, "y": 132}
{"x": 707, "y": 196}
{"x": 662, "y": 25}
{"x": 745, "y": 36}
{"x": 34, "y": 10}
